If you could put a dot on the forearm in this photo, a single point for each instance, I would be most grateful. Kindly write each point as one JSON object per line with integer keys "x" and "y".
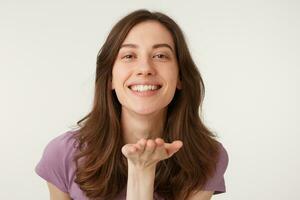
{"x": 142, "y": 159}
{"x": 140, "y": 183}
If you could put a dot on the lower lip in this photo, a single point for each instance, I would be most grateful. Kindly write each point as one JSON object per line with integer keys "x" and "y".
{"x": 145, "y": 93}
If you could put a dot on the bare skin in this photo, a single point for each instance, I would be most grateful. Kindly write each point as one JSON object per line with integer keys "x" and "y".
{"x": 148, "y": 56}
{"x": 147, "y": 153}
{"x": 142, "y": 158}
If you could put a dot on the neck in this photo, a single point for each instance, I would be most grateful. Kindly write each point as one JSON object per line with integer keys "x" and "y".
{"x": 135, "y": 126}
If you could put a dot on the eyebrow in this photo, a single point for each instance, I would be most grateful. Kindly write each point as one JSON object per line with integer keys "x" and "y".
{"x": 153, "y": 47}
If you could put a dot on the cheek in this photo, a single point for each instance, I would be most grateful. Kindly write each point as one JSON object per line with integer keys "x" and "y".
{"x": 171, "y": 76}
{"x": 119, "y": 75}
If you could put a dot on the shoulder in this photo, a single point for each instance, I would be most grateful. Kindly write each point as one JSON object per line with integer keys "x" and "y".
{"x": 223, "y": 158}
{"x": 56, "y": 160}
{"x": 217, "y": 182}
{"x": 61, "y": 147}
{"x": 63, "y": 142}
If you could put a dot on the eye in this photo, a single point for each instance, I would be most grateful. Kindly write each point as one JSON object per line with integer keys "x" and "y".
{"x": 161, "y": 56}
{"x": 128, "y": 56}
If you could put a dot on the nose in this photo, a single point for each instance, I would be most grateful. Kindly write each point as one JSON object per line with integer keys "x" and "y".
{"x": 145, "y": 67}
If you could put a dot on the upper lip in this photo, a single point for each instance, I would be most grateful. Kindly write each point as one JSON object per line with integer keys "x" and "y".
{"x": 144, "y": 83}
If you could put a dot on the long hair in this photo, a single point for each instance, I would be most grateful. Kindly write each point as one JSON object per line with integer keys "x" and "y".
{"x": 102, "y": 172}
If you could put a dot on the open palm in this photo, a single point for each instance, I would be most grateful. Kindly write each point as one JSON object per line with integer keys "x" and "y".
{"x": 148, "y": 152}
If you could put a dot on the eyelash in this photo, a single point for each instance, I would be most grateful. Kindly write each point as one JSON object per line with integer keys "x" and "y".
{"x": 155, "y": 55}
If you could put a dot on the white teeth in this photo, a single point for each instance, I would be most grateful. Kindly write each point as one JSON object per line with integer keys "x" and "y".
{"x": 141, "y": 88}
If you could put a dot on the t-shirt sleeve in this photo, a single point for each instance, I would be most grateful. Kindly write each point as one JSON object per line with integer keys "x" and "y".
{"x": 53, "y": 165}
{"x": 217, "y": 182}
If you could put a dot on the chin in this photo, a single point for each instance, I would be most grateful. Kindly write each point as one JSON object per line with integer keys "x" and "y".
{"x": 148, "y": 110}
{"x": 145, "y": 111}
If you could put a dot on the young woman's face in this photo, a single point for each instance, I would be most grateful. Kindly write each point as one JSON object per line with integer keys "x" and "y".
{"x": 146, "y": 58}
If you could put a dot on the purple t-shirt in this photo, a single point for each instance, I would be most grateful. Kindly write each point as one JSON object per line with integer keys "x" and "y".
{"x": 56, "y": 167}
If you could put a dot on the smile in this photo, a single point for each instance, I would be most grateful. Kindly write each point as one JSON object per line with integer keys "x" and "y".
{"x": 142, "y": 88}
{"x": 145, "y": 90}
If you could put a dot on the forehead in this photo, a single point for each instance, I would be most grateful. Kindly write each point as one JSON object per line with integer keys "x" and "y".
{"x": 148, "y": 33}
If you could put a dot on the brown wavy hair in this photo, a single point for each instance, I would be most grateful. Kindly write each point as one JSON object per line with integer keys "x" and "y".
{"x": 102, "y": 170}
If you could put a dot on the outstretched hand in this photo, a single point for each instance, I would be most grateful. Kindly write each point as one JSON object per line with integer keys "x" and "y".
{"x": 148, "y": 152}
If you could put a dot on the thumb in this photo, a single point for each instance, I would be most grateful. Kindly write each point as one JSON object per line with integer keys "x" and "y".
{"x": 173, "y": 147}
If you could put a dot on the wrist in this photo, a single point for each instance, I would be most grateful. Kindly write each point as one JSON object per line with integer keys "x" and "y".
{"x": 140, "y": 183}
{"x": 141, "y": 169}
{"x": 141, "y": 175}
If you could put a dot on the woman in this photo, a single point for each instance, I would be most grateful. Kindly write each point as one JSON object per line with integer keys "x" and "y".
{"x": 143, "y": 138}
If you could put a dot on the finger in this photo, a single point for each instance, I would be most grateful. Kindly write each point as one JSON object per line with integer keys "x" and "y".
{"x": 150, "y": 147}
{"x": 177, "y": 143}
{"x": 174, "y": 144}
{"x": 159, "y": 142}
{"x": 133, "y": 149}
{"x": 128, "y": 150}
{"x": 160, "y": 151}
{"x": 141, "y": 145}
{"x": 173, "y": 147}
{"x": 160, "y": 148}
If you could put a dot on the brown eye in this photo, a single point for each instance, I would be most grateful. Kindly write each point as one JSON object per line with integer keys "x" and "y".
{"x": 161, "y": 56}
{"x": 127, "y": 56}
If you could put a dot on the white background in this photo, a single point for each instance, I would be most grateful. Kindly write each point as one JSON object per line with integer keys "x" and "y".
{"x": 246, "y": 51}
